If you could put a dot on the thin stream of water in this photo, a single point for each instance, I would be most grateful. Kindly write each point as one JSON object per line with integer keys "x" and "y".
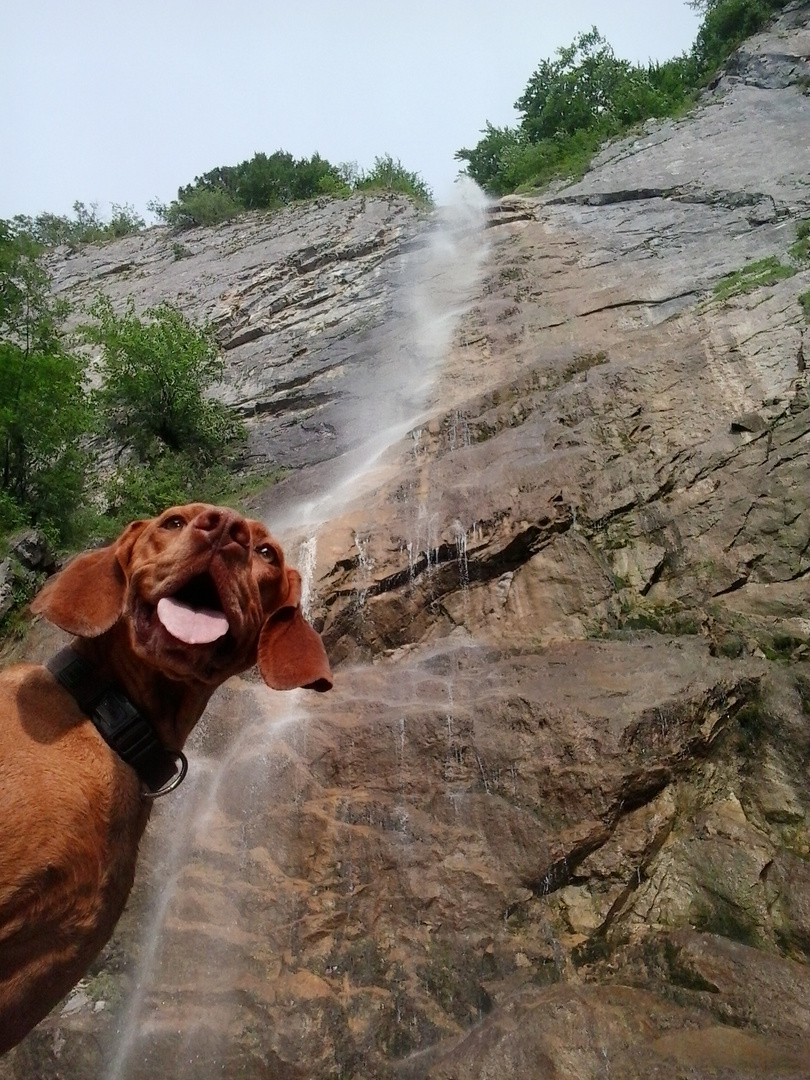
{"x": 192, "y": 821}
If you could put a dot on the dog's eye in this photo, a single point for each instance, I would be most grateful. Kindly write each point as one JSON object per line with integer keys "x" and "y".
{"x": 268, "y": 553}
{"x": 174, "y": 522}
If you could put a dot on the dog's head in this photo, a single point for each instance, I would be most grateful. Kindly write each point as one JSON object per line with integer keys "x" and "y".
{"x": 203, "y": 594}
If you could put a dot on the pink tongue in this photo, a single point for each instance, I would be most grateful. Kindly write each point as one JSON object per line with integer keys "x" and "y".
{"x": 195, "y": 627}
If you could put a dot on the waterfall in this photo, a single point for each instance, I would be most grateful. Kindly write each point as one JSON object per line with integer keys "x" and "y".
{"x": 386, "y": 403}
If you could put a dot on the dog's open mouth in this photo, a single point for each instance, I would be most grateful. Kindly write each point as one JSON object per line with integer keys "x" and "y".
{"x": 194, "y": 614}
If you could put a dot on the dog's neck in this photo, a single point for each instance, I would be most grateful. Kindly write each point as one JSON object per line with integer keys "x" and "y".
{"x": 120, "y": 723}
{"x": 171, "y": 707}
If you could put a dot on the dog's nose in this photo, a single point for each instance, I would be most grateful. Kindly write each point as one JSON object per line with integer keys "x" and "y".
{"x": 223, "y": 527}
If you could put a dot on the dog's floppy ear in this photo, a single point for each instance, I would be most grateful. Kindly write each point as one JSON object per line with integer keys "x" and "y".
{"x": 291, "y": 653}
{"x": 87, "y": 597}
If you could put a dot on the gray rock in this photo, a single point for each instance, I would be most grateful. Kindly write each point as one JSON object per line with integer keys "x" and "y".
{"x": 750, "y": 421}
{"x": 32, "y": 549}
{"x": 6, "y": 587}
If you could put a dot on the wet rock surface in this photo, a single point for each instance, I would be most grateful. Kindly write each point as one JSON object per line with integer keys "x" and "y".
{"x": 553, "y": 820}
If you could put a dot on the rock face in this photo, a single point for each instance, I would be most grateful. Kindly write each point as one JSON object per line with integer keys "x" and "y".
{"x": 553, "y": 820}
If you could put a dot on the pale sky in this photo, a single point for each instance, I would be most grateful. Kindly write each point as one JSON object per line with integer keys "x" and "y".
{"x": 123, "y": 102}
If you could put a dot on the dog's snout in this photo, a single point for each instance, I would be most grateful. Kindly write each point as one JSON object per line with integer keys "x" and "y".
{"x": 223, "y": 527}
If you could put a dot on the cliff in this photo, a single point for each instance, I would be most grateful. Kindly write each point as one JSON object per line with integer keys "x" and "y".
{"x": 550, "y": 494}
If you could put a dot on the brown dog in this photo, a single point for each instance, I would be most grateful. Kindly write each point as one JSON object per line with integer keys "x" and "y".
{"x": 162, "y": 616}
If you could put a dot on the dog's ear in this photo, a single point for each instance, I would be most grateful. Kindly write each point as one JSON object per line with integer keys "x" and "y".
{"x": 87, "y": 597}
{"x": 291, "y": 653}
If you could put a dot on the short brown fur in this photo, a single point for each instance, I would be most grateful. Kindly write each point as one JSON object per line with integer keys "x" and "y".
{"x": 71, "y": 811}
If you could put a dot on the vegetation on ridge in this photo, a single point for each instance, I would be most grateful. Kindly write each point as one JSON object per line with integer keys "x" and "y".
{"x": 586, "y": 95}
{"x": 85, "y": 227}
{"x": 267, "y": 182}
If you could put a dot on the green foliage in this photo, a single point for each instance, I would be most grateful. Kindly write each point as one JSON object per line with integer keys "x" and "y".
{"x": 537, "y": 163}
{"x": 125, "y": 220}
{"x": 180, "y": 251}
{"x": 588, "y": 89}
{"x": 765, "y": 271}
{"x": 727, "y": 23}
{"x": 337, "y": 185}
{"x": 804, "y": 304}
{"x": 390, "y": 175}
{"x": 85, "y": 227}
{"x": 800, "y": 249}
{"x": 586, "y": 94}
{"x": 12, "y": 515}
{"x": 155, "y": 374}
{"x": 174, "y": 442}
{"x": 570, "y": 106}
{"x": 24, "y": 584}
{"x": 145, "y": 488}
{"x": 267, "y": 182}
{"x": 43, "y": 404}
{"x": 487, "y": 159}
{"x": 263, "y": 182}
{"x": 204, "y": 206}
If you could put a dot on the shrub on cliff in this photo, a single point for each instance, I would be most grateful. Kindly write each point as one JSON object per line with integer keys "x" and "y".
{"x": 269, "y": 181}
{"x": 588, "y": 88}
{"x": 570, "y": 105}
{"x": 136, "y": 489}
{"x": 172, "y": 442}
{"x": 155, "y": 376}
{"x": 203, "y": 206}
{"x": 263, "y": 182}
{"x": 175, "y": 442}
{"x": 390, "y": 175}
{"x": 86, "y": 226}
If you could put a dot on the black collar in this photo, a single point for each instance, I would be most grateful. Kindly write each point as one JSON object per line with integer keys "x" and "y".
{"x": 120, "y": 724}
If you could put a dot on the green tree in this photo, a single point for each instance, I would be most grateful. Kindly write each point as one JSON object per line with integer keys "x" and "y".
{"x": 588, "y": 88}
{"x": 176, "y": 443}
{"x": 570, "y": 104}
{"x": 44, "y": 413}
{"x": 484, "y": 160}
{"x": 201, "y": 206}
{"x": 155, "y": 376}
{"x": 586, "y": 94}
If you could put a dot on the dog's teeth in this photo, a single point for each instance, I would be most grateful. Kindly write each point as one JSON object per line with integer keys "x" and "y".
{"x": 191, "y": 625}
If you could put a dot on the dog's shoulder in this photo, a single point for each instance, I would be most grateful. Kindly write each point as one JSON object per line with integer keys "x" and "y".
{"x": 31, "y": 697}
{"x": 51, "y": 748}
